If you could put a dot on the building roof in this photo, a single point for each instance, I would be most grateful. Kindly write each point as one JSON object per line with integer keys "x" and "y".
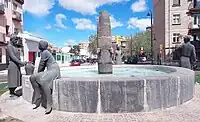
{"x": 30, "y": 37}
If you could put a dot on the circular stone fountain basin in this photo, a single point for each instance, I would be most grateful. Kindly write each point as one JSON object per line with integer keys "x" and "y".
{"x": 129, "y": 89}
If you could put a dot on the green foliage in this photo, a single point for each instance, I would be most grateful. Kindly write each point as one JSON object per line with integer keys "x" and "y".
{"x": 3, "y": 88}
{"x": 93, "y": 44}
{"x": 142, "y": 39}
{"x": 197, "y": 78}
{"x": 2, "y": 91}
{"x": 75, "y": 50}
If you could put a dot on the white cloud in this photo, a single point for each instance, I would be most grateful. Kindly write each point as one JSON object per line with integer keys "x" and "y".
{"x": 86, "y": 6}
{"x": 139, "y": 23}
{"x": 48, "y": 26}
{"x": 70, "y": 42}
{"x": 58, "y": 30}
{"x": 38, "y": 7}
{"x": 139, "y": 6}
{"x": 59, "y": 20}
{"x": 84, "y": 24}
{"x": 114, "y": 22}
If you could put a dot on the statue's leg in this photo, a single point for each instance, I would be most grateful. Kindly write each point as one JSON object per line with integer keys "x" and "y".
{"x": 12, "y": 91}
{"x": 36, "y": 98}
{"x": 47, "y": 92}
{"x": 44, "y": 99}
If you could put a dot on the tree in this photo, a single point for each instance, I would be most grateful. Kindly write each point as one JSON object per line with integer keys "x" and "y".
{"x": 93, "y": 44}
{"x": 75, "y": 50}
{"x": 142, "y": 39}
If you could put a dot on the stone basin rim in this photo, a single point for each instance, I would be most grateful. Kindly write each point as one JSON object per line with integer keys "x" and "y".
{"x": 175, "y": 72}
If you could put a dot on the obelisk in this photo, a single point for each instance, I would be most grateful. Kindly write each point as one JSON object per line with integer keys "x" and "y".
{"x": 104, "y": 44}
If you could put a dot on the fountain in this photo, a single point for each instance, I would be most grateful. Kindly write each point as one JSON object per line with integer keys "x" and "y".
{"x": 119, "y": 88}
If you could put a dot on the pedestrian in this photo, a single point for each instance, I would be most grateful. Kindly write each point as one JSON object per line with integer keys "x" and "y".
{"x": 188, "y": 54}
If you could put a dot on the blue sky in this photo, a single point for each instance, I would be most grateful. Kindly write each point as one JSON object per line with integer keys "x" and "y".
{"x": 72, "y": 21}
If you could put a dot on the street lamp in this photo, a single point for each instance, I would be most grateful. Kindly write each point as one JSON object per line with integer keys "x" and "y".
{"x": 150, "y": 15}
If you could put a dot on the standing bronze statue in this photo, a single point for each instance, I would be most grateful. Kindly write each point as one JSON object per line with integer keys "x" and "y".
{"x": 42, "y": 82}
{"x": 14, "y": 72}
{"x": 188, "y": 54}
{"x": 118, "y": 56}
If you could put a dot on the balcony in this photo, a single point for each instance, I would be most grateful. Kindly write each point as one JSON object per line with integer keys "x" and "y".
{"x": 17, "y": 16}
{"x": 194, "y": 29}
{"x": 194, "y": 7}
{"x": 2, "y": 8}
{"x": 193, "y": 26}
{"x": 20, "y": 1}
{"x": 3, "y": 39}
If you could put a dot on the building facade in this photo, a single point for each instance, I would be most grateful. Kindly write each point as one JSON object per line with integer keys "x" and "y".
{"x": 11, "y": 21}
{"x": 123, "y": 42}
{"x": 170, "y": 24}
{"x": 194, "y": 13}
{"x": 32, "y": 53}
{"x": 84, "y": 52}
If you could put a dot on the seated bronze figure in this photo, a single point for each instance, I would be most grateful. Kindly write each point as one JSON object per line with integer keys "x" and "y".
{"x": 42, "y": 81}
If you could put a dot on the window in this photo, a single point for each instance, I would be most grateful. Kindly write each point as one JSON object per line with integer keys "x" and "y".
{"x": 6, "y": 3}
{"x": 176, "y": 3}
{"x": 58, "y": 57}
{"x": 176, "y": 38}
{"x": 196, "y": 19}
{"x": 0, "y": 55}
{"x": 38, "y": 54}
{"x": 196, "y": 3}
{"x": 176, "y": 19}
{"x": 14, "y": 6}
{"x": 7, "y": 29}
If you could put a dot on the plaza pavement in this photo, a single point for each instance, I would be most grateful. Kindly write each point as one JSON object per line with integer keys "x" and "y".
{"x": 22, "y": 110}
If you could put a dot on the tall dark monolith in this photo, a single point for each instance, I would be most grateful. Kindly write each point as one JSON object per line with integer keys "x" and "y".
{"x": 104, "y": 44}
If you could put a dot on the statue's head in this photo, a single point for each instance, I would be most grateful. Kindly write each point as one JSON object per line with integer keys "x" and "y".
{"x": 13, "y": 40}
{"x": 16, "y": 41}
{"x": 118, "y": 48}
{"x": 43, "y": 45}
{"x": 186, "y": 39}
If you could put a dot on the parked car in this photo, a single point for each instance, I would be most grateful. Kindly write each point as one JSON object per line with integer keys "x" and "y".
{"x": 75, "y": 62}
{"x": 131, "y": 60}
{"x": 143, "y": 59}
{"x": 82, "y": 61}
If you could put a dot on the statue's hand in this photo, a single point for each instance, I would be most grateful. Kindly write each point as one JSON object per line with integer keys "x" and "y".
{"x": 24, "y": 63}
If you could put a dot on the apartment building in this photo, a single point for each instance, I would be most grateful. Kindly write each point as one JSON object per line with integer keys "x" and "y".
{"x": 194, "y": 13}
{"x": 83, "y": 45}
{"x": 170, "y": 23}
{"x": 123, "y": 42}
{"x": 11, "y": 21}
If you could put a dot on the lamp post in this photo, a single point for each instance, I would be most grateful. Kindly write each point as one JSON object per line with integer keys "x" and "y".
{"x": 150, "y": 15}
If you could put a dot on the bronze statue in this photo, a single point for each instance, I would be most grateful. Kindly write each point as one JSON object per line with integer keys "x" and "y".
{"x": 188, "y": 54}
{"x": 43, "y": 80}
{"x": 118, "y": 57}
{"x": 29, "y": 68}
{"x": 14, "y": 72}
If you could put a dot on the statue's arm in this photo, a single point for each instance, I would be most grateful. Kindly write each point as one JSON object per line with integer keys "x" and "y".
{"x": 13, "y": 57}
{"x": 43, "y": 60}
{"x": 194, "y": 54}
